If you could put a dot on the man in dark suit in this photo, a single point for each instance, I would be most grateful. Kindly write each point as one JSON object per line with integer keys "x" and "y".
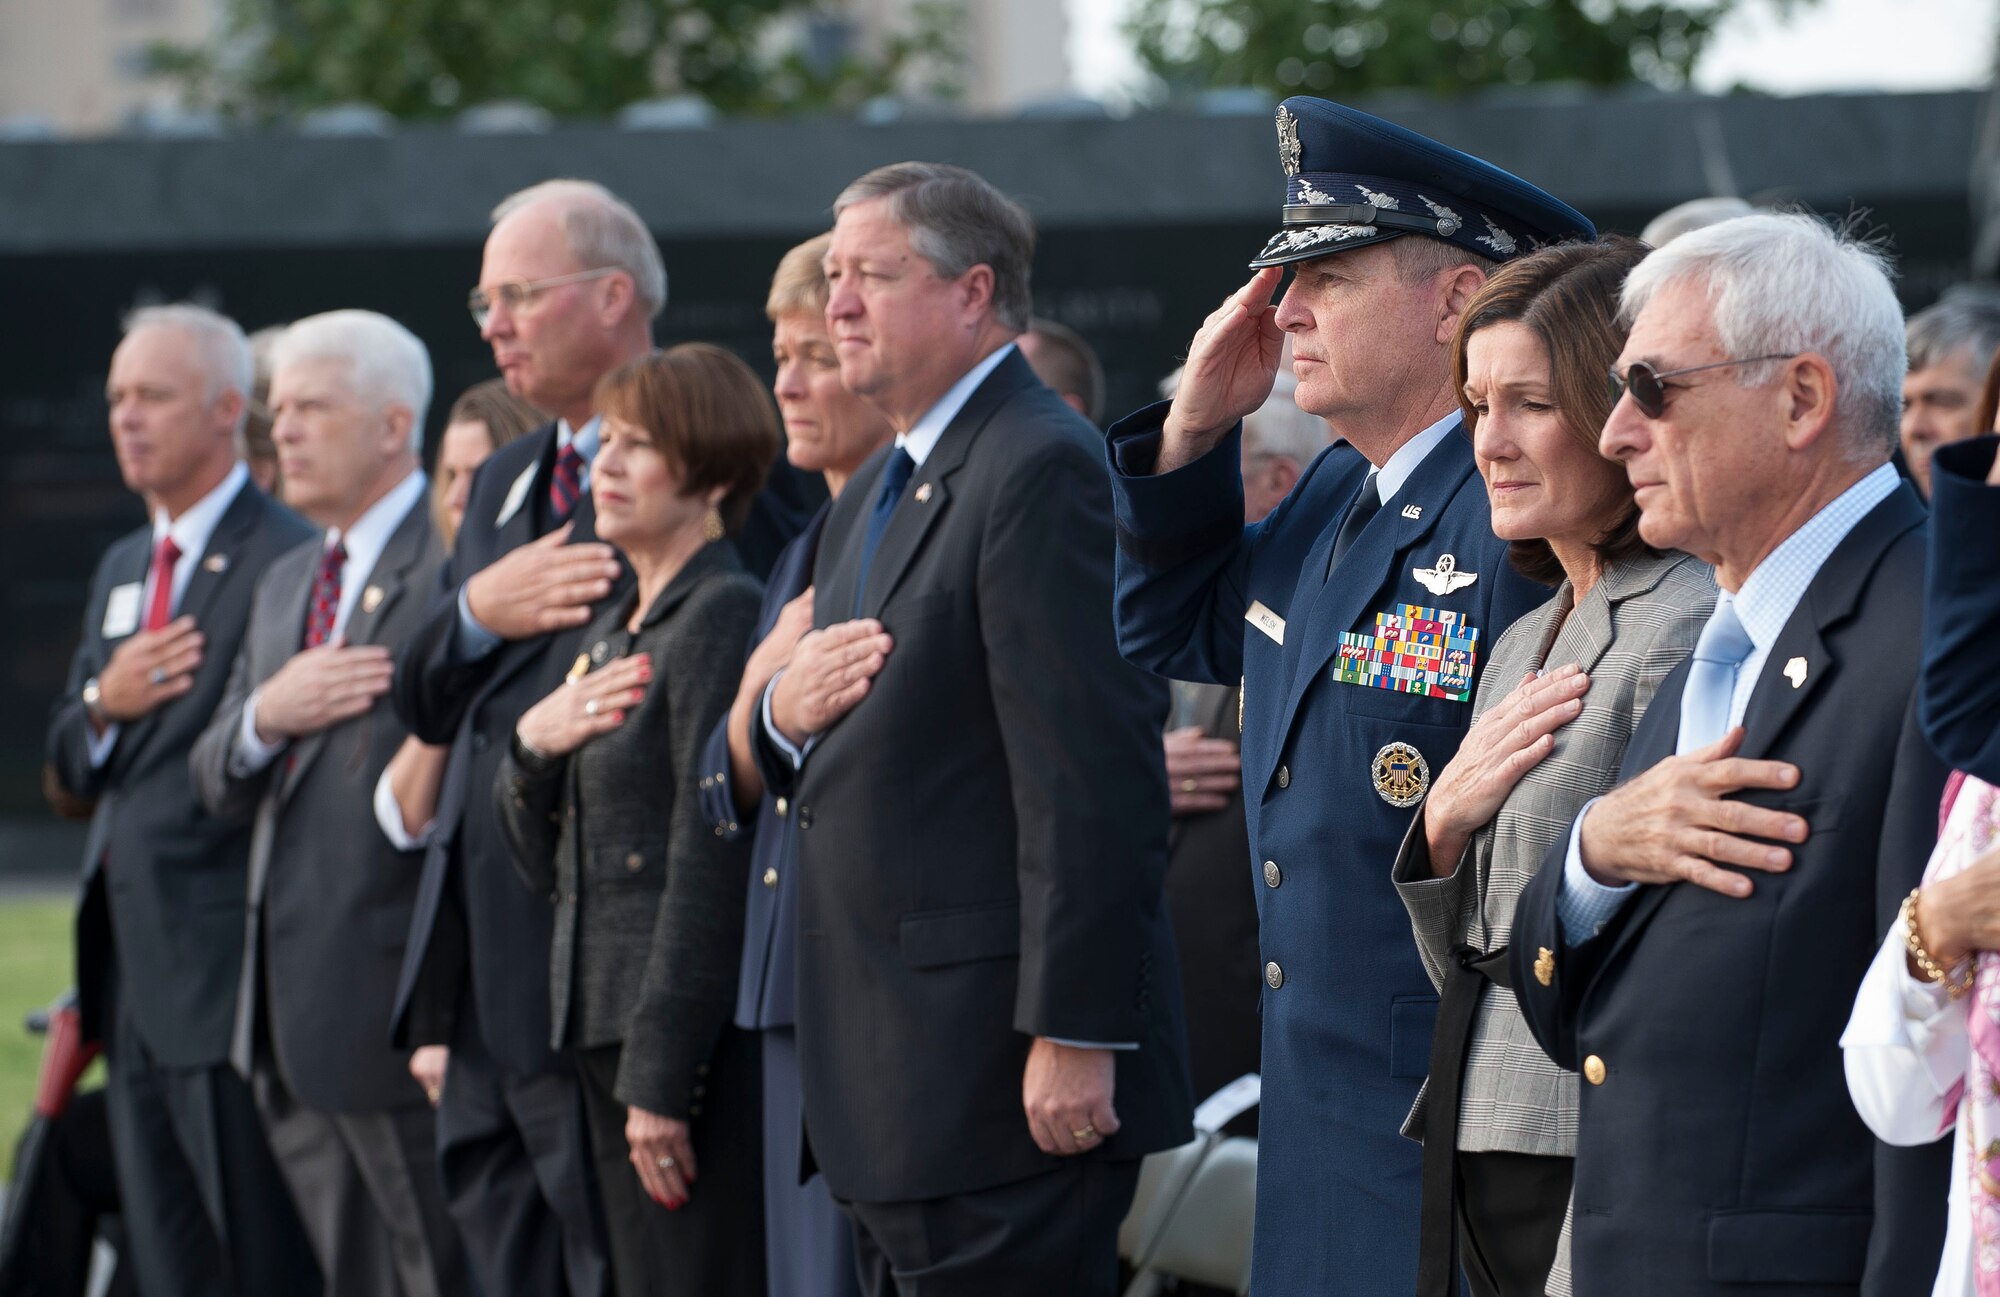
{"x": 989, "y": 1025}
{"x": 1960, "y": 697}
{"x": 1355, "y": 618}
{"x": 1693, "y": 945}
{"x": 160, "y": 927}
{"x": 302, "y": 737}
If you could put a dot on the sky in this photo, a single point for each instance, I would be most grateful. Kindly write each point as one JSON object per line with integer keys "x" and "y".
{"x": 1831, "y": 45}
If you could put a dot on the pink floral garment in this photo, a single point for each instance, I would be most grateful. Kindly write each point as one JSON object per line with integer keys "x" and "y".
{"x": 1971, "y": 829}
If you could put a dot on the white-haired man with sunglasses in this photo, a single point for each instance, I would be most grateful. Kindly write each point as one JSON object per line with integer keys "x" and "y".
{"x": 1693, "y": 945}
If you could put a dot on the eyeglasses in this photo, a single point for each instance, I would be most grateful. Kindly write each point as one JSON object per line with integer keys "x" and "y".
{"x": 519, "y": 294}
{"x": 1648, "y": 386}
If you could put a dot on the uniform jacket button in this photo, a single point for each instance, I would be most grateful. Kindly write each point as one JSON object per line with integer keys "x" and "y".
{"x": 1284, "y": 777}
{"x": 1272, "y": 874}
{"x": 783, "y": 806}
{"x": 770, "y": 876}
{"x": 1593, "y": 1070}
{"x": 1274, "y": 976}
{"x": 805, "y": 816}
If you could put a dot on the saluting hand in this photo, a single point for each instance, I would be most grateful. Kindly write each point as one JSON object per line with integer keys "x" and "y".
{"x": 581, "y": 709}
{"x": 150, "y": 668}
{"x": 1676, "y": 823}
{"x": 830, "y": 674}
{"x": 321, "y": 687}
{"x": 1506, "y": 742}
{"x": 545, "y": 585}
{"x": 1231, "y": 365}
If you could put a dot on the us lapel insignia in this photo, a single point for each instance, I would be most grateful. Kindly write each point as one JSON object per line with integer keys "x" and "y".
{"x": 216, "y": 562}
{"x": 578, "y": 669}
{"x": 1795, "y": 671}
{"x": 1413, "y": 511}
{"x": 1545, "y": 966}
{"x": 924, "y": 493}
{"x": 1401, "y": 775}
{"x": 371, "y": 598}
{"x": 1445, "y": 578}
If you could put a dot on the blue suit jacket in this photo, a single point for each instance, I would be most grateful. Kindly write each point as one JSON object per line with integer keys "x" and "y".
{"x": 764, "y": 989}
{"x": 1720, "y": 1153}
{"x": 1959, "y": 697}
{"x": 1347, "y": 1031}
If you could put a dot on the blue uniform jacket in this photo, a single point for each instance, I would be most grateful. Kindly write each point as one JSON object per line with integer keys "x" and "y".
{"x": 764, "y": 989}
{"x": 1347, "y": 1008}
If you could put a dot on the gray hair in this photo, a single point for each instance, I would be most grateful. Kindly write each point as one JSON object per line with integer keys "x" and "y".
{"x": 1280, "y": 427}
{"x": 387, "y": 365}
{"x": 1964, "y": 322}
{"x": 956, "y": 221}
{"x": 1694, "y": 214}
{"x": 1783, "y": 284}
{"x": 601, "y": 231}
{"x": 223, "y": 351}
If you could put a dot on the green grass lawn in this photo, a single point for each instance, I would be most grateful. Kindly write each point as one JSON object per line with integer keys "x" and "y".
{"x": 35, "y": 967}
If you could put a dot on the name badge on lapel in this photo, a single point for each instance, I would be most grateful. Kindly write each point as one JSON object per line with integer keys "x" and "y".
{"x": 1265, "y": 620}
{"x": 121, "y": 611}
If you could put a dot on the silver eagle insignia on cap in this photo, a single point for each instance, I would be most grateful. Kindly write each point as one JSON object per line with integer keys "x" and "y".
{"x": 1288, "y": 141}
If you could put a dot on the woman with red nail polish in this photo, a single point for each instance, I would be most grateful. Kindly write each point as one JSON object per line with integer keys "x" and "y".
{"x": 599, "y": 801}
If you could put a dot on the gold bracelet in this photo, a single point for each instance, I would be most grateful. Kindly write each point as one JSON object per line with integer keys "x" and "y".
{"x": 1930, "y": 968}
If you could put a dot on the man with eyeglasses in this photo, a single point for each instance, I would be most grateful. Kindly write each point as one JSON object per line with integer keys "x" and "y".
{"x": 1693, "y": 945}
{"x": 568, "y": 288}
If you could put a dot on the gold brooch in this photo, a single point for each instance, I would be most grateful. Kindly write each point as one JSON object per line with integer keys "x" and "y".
{"x": 1545, "y": 966}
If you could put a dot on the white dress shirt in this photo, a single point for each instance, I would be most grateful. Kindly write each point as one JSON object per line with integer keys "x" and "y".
{"x": 1769, "y": 596}
{"x": 1906, "y": 1047}
{"x": 1410, "y": 456}
{"x": 191, "y": 533}
{"x": 365, "y": 541}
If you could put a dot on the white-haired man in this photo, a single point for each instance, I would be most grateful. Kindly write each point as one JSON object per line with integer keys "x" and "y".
{"x": 1693, "y": 945}
{"x": 159, "y": 938}
{"x": 298, "y": 744}
{"x": 568, "y": 287}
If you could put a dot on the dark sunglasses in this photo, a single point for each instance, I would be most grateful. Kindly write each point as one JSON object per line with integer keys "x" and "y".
{"x": 1648, "y": 386}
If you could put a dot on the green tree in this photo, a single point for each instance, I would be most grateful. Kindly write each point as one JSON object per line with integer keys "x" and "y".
{"x": 420, "y": 59}
{"x": 1440, "y": 46}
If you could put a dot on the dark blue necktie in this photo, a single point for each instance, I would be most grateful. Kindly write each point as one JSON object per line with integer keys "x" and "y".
{"x": 895, "y": 476}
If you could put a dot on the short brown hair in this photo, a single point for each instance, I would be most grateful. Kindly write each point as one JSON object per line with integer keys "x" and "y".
{"x": 708, "y": 413}
{"x": 957, "y": 220}
{"x": 1071, "y": 366}
{"x": 799, "y": 286}
{"x": 1568, "y": 296}
{"x": 506, "y": 416}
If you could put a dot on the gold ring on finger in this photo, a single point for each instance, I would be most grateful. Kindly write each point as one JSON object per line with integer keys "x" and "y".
{"x": 590, "y": 707}
{"x": 1088, "y": 1132}
{"x": 1190, "y": 786}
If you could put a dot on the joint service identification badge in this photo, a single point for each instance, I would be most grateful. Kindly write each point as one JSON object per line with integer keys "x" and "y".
{"x": 1402, "y": 776}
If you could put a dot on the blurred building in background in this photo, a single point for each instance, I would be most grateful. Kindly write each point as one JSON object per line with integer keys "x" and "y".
{"x": 79, "y": 66}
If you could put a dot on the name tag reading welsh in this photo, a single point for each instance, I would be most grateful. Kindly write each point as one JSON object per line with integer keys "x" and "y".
{"x": 1265, "y": 620}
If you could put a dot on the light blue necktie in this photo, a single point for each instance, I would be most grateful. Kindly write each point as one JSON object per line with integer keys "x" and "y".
{"x": 1711, "y": 682}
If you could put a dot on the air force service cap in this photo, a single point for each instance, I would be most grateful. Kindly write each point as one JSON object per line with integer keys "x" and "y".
{"x": 1352, "y": 180}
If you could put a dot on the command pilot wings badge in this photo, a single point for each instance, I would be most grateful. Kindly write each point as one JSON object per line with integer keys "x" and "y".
{"x": 1445, "y": 578}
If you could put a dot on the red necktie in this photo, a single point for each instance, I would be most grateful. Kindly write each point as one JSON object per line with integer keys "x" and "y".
{"x": 161, "y": 610}
{"x": 566, "y": 486}
{"x": 325, "y": 605}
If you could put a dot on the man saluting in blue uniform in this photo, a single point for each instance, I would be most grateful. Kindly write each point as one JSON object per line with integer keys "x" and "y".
{"x": 1357, "y": 617}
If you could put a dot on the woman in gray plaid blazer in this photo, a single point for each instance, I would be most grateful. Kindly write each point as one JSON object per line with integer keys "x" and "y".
{"x": 1563, "y": 691}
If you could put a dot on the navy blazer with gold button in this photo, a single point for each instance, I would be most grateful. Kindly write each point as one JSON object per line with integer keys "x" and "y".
{"x": 1347, "y": 1008}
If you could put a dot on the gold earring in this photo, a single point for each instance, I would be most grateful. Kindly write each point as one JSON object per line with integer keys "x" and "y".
{"x": 711, "y": 526}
